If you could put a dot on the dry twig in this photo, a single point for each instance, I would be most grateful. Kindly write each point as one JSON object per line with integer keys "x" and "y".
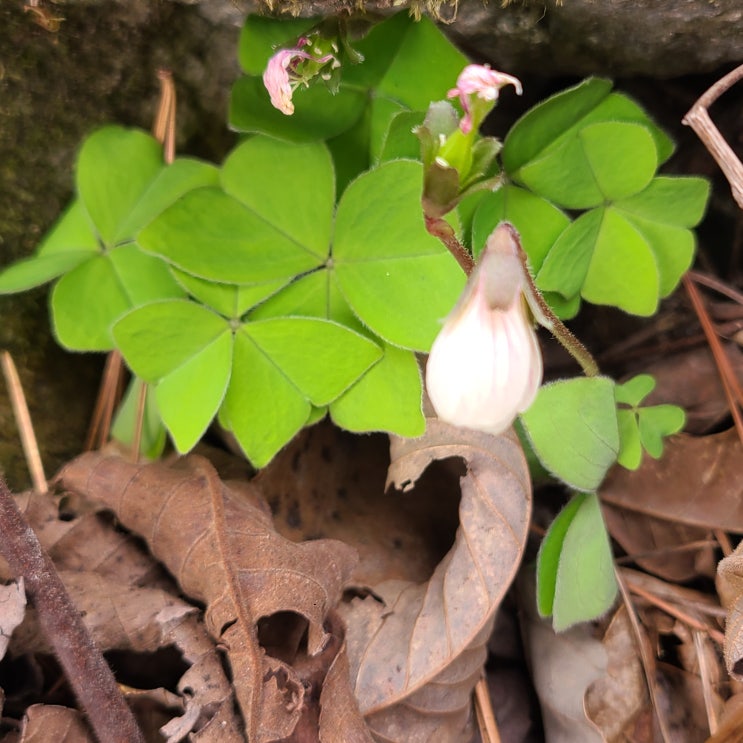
{"x": 646, "y": 658}
{"x": 23, "y": 421}
{"x": 484, "y": 712}
{"x": 699, "y": 120}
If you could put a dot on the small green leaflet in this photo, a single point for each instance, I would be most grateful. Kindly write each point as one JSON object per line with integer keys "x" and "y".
{"x": 590, "y": 148}
{"x": 572, "y": 427}
{"x": 643, "y": 427}
{"x": 575, "y": 567}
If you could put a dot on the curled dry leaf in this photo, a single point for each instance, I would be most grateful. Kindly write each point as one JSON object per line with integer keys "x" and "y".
{"x": 12, "y": 611}
{"x": 330, "y": 483}
{"x": 416, "y": 655}
{"x": 223, "y": 551}
{"x": 564, "y": 666}
{"x": 698, "y": 481}
{"x": 730, "y": 589}
{"x": 121, "y": 592}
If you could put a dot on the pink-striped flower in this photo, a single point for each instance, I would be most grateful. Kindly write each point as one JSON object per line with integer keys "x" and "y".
{"x": 281, "y": 76}
{"x": 485, "y": 366}
{"x": 483, "y": 83}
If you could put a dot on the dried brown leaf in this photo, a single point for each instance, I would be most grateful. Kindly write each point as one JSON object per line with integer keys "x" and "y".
{"x": 223, "y": 551}
{"x": 616, "y": 700}
{"x": 731, "y": 722}
{"x": 330, "y": 483}
{"x": 117, "y": 620}
{"x": 415, "y": 655}
{"x": 698, "y": 481}
{"x": 730, "y": 589}
{"x": 654, "y": 544}
{"x": 564, "y": 665}
{"x": 340, "y": 717}
{"x": 47, "y": 723}
{"x": 85, "y": 540}
{"x": 12, "y": 611}
{"x": 102, "y": 569}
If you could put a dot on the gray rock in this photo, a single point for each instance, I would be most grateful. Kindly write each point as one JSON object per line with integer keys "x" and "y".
{"x": 659, "y": 38}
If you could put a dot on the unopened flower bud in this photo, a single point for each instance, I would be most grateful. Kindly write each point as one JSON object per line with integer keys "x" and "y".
{"x": 485, "y": 366}
{"x": 479, "y": 83}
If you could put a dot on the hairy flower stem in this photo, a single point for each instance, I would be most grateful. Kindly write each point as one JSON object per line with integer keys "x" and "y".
{"x": 86, "y": 670}
{"x": 552, "y": 322}
{"x": 443, "y": 230}
{"x": 545, "y": 316}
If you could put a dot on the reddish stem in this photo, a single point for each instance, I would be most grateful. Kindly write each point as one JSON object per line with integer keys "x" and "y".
{"x": 445, "y": 232}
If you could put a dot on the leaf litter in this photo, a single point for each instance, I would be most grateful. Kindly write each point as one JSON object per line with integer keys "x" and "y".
{"x": 348, "y": 592}
{"x": 315, "y": 601}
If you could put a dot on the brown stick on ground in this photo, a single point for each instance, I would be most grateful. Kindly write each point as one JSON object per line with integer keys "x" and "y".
{"x": 86, "y": 670}
{"x": 699, "y": 120}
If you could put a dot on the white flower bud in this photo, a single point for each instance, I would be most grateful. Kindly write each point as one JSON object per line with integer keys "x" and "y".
{"x": 485, "y": 366}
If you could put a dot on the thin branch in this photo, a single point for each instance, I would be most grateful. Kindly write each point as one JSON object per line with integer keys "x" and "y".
{"x": 727, "y": 375}
{"x": 724, "y": 541}
{"x": 719, "y": 286}
{"x": 646, "y": 658}
{"x": 86, "y": 670}
{"x": 484, "y": 713}
{"x": 23, "y": 421}
{"x": 100, "y": 424}
{"x": 704, "y": 675}
{"x": 164, "y": 127}
{"x": 699, "y": 120}
{"x": 679, "y": 614}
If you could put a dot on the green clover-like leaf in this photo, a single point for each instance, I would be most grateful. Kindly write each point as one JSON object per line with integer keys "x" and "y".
{"x": 572, "y": 427}
{"x": 122, "y": 183}
{"x": 575, "y": 567}
{"x": 201, "y": 363}
{"x": 643, "y": 427}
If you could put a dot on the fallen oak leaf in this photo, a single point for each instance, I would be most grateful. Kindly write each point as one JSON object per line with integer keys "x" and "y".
{"x": 51, "y": 723}
{"x": 416, "y": 655}
{"x": 223, "y": 551}
{"x": 128, "y": 603}
{"x": 12, "y": 612}
{"x": 86, "y": 541}
{"x": 699, "y": 482}
{"x": 730, "y": 590}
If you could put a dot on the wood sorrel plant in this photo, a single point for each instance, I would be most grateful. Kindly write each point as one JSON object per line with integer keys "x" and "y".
{"x": 300, "y": 277}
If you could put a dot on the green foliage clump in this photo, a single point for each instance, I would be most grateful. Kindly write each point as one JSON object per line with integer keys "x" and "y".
{"x": 300, "y": 277}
